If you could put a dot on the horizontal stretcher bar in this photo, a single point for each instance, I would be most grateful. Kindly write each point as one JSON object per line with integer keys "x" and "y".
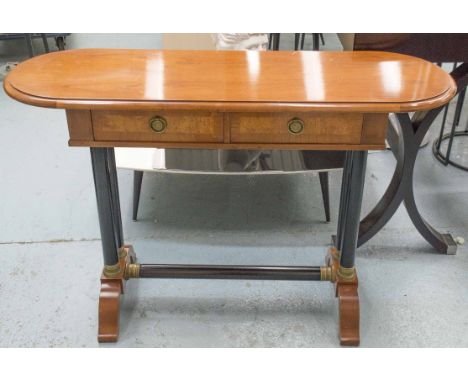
{"x": 256, "y": 272}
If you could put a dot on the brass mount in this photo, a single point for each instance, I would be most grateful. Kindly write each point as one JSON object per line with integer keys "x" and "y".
{"x": 132, "y": 271}
{"x": 112, "y": 270}
{"x": 346, "y": 273}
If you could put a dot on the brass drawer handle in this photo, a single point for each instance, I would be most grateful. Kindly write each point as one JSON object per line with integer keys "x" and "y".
{"x": 296, "y": 126}
{"x": 158, "y": 124}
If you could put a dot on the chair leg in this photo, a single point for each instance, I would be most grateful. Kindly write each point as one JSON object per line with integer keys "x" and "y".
{"x": 302, "y": 40}
{"x": 44, "y": 41}
{"x": 29, "y": 44}
{"x": 321, "y": 38}
{"x": 458, "y": 111}
{"x": 458, "y": 107}
{"x": 297, "y": 37}
{"x": 315, "y": 41}
{"x": 323, "y": 176}
{"x": 60, "y": 42}
{"x": 277, "y": 41}
{"x": 137, "y": 180}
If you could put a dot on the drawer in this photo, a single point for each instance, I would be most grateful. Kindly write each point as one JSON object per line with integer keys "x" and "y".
{"x": 157, "y": 126}
{"x": 318, "y": 128}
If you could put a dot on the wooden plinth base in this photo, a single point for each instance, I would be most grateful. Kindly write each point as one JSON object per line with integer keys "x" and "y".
{"x": 348, "y": 300}
{"x": 109, "y": 299}
{"x": 112, "y": 287}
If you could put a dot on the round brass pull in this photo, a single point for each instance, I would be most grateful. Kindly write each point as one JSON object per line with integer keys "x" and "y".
{"x": 158, "y": 124}
{"x": 296, "y": 126}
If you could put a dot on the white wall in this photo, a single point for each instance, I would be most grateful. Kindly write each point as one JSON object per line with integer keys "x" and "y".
{"x": 115, "y": 40}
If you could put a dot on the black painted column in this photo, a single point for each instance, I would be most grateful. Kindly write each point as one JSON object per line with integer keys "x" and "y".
{"x": 355, "y": 166}
{"x": 106, "y": 204}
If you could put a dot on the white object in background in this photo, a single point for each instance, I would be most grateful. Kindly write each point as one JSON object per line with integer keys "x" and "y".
{"x": 4, "y": 69}
{"x": 148, "y": 159}
{"x": 232, "y": 162}
{"x": 134, "y": 159}
{"x": 241, "y": 41}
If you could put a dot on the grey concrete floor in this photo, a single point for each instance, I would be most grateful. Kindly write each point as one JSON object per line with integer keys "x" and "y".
{"x": 51, "y": 254}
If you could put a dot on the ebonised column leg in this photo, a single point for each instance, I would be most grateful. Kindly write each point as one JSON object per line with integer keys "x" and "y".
{"x": 323, "y": 176}
{"x": 116, "y": 214}
{"x": 137, "y": 180}
{"x": 343, "y": 203}
{"x": 357, "y": 172}
{"x": 112, "y": 279}
{"x": 346, "y": 276}
{"x": 105, "y": 204}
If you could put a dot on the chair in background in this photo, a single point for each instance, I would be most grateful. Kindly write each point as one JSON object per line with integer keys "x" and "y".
{"x": 273, "y": 44}
{"x": 28, "y": 38}
{"x": 299, "y": 40}
{"x": 178, "y": 160}
{"x": 436, "y": 148}
{"x": 233, "y": 162}
{"x": 273, "y": 41}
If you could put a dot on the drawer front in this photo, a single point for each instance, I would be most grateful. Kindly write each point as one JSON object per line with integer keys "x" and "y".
{"x": 318, "y": 128}
{"x": 155, "y": 126}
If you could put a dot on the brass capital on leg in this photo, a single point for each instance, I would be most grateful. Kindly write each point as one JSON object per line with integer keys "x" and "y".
{"x": 346, "y": 273}
{"x": 112, "y": 270}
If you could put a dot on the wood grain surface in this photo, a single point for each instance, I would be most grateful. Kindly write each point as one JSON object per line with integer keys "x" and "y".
{"x": 344, "y": 128}
{"x": 182, "y": 126}
{"x": 122, "y": 79}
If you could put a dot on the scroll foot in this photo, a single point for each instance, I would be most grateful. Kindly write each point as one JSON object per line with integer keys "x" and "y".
{"x": 109, "y": 310}
{"x": 349, "y": 313}
{"x": 109, "y": 298}
{"x": 348, "y": 300}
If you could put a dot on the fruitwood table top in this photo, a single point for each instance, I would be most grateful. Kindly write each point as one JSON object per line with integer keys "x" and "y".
{"x": 123, "y": 79}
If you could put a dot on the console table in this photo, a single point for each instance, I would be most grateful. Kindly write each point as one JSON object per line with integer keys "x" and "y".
{"x": 229, "y": 100}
